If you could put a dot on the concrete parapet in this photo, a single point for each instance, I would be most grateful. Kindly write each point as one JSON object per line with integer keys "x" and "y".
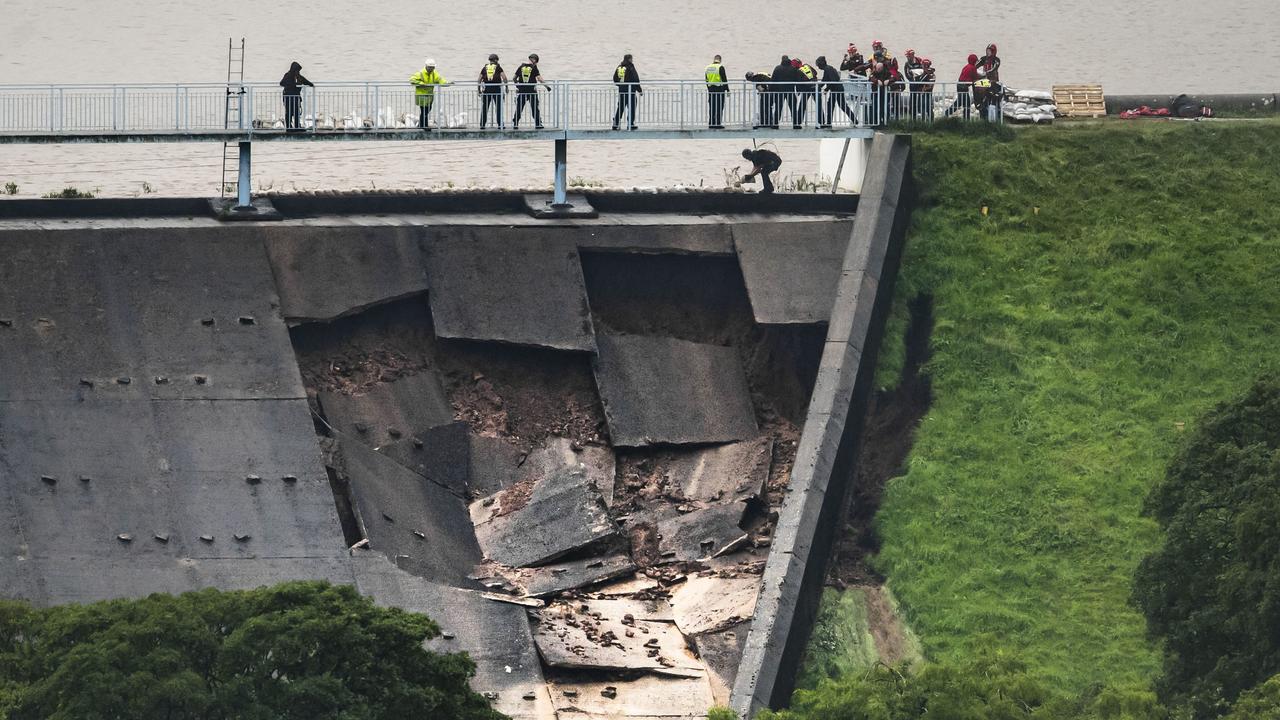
{"x": 828, "y": 449}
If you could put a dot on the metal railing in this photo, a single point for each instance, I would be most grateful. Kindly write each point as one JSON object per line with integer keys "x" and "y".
{"x": 561, "y": 105}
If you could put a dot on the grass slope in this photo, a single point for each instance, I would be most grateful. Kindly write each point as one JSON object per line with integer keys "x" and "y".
{"x": 1069, "y": 348}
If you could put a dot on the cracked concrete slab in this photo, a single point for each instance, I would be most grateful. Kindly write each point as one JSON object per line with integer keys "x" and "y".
{"x": 326, "y": 273}
{"x": 701, "y": 534}
{"x": 648, "y": 697}
{"x": 421, "y": 526}
{"x": 557, "y": 454}
{"x": 495, "y": 635}
{"x": 721, "y": 651}
{"x": 389, "y": 412}
{"x": 791, "y": 269}
{"x": 587, "y": 635}
{"x": 709, "y": 604}
{"x": 508, "y": 286}
{"x": 658, "y": 390}
{"x": 561, "y": 577}
{"x": 736, "y": 471}
{"x": 539, "y": 520}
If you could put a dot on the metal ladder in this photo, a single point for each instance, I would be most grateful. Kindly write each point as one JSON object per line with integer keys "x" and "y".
{"x": 235, "y": 104}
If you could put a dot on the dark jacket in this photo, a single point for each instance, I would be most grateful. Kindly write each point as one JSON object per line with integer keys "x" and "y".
{"x": 293, "y": 79}
{"x": 831, "y": 79}
{"x": 626, "y": 74}
{"x": 785, "y": 76}
{"x": 854, "y": 64}
{"x": 765, "y": 159}
{"x": 991, "y": 64}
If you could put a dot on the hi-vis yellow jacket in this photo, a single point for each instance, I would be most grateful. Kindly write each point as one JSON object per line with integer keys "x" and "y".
{"x": 424, "y": 82}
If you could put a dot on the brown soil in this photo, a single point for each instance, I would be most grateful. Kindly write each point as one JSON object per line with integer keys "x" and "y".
{"x": 886, "y": 627}
{"x": 888, "y": 432}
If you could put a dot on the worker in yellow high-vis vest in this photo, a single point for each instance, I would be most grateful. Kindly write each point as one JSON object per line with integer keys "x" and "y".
{"x": 717, "y": 91}
{"x": 425, "y": 82}
{"x": 493, "y": 89}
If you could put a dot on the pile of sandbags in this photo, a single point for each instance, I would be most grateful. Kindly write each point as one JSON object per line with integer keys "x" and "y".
{"x": 1035, "y": 106}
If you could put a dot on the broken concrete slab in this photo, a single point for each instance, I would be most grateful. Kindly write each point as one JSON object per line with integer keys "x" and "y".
{"x": 557, "y": 454}
{"x": 637, "y": 583}
{"x": 701, "y": 534}
{"x": 736, "y": 471}
{"x": 421, "y": 526}
{"x": 648, "y": 697}
{"x": 560, "y": 577}
{"x": 704, "y": 604}
{"x": 521, "y": 288}
{"x": 324, "y": 273}
{"x": 440, "y": 454}
{"x": 658, "y": 390}
{"x": 791, "y": 268}
{"x": 495, "y": 635}
{"x": 721, "y": 652}
{"x": 539, "y": 520}
{"x": 389, "y": 412}
{"x": 585, "y": 635}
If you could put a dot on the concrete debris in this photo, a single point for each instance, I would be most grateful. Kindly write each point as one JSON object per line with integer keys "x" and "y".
{"x": 647, "y": 697}
{"x": 537, "y": 521}
{"x": 736, "y": 471}
{"x": 591, "y": 636}
{"x": 559, "y": 453}
{"x": 658, "y": 390}
{"x": 709, "y": 604}
{"x": 410, "y": 404}
{"x": 638, "y": 583}
{"x": 720, "y": 652}
{"x": 561, "y": 577}
{"x": 702, "y": 534}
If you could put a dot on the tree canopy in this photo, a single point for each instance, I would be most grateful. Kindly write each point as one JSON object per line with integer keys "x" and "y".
{"x": 1211, "y": 592}
{"x": 298, "y": 650}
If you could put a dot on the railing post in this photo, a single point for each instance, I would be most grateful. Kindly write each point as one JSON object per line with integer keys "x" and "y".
{"x": 53, "y": 108}
{"x": 177, "y": 107}
{"x": 561, "y": 196}
{"x": 377, "y": 107}
{"x": 243, "y": 185}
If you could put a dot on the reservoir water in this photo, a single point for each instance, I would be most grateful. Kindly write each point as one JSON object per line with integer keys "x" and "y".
{"x": 1164, "y": 46}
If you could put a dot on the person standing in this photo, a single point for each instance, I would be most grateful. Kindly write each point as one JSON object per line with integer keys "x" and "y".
{"x": 292, "y": 83}
{"x": 527, "y": 78}
{"x": 806, "y": 89}
{"x": 968, "y": 75}
{"x": 833, "y": 86}
{"x": 763, "y": 162}
{"x": 784, "y": 77}
{"x": 989, "y": 65}
{"x": 853, "y": 62}
{"x": 493, "y": 85}
{"x": 764, "y": 97}
{"x": 717, "y": 91}
{"x": 425, "y": 82}
{"x": 628, "y": 82}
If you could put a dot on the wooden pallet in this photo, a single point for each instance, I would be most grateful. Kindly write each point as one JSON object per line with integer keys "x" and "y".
{"x": 1080, "y": 100}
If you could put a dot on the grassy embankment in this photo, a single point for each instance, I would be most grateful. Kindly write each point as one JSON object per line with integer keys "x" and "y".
{"x": 1071, "y": 347}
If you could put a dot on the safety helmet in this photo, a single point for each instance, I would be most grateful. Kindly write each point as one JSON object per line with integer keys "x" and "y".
{"x": 795, "y": 62}
{"x": 991, "y": 47}
{"x": 493, "y": 57}
{"x": 876, "y": 43}
{"x": 911, "y": 53}
{"x": 926, "y": 62}
{"x": 430, "y": 62}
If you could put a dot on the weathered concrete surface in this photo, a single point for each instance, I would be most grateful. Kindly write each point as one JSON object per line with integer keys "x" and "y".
{"x": 564, "y": 576}
{"x": 721, "y": 652}
{"x": 558, "y": 454}
{"x": 701, "y": 534}
{"x": 827, "y": 453}
{"x": 495, "y": 635}
{"x": 245, "y": 476}
{"x": 421, "y": 526}
{"x": 539, "y": 520}
{"x": 708, "y": 239}
{"x": 735, "y": 471}
{"x": 659, "y": 390}
{"x": 327, "y": 273}
{"x": 389, "y": 412}
{"x": 710, "y": 604}
{"x": 791, "y": 269}
{"x": 597, "y": 639}
{"x": 648, "y": 697}
{"x": 87, "y": 311}
{"x": 508, "y": 287}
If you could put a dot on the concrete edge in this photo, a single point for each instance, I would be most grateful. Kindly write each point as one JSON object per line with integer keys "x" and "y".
{"x": 1250, "y": 102}
{"x": 481, "y": 201}
{"x": 828, "y": 451}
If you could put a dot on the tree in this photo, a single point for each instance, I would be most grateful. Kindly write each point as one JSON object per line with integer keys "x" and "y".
{"x": 1212, "y": 590}
{"x": 297, "y": 650}
{"x": 1260, "y": 703}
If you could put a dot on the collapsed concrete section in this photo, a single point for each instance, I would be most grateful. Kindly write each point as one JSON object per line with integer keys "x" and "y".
{"x": 569, "y": 444}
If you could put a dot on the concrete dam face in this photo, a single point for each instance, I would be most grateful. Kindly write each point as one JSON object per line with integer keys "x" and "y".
{"x": 571, "y": 444}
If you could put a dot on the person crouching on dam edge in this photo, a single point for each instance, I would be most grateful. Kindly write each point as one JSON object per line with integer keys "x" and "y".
{"x": 763, "y": 162}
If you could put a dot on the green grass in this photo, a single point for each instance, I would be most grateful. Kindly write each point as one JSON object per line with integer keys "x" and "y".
{"x": 1068, "y": 347}
{"x": 842, "y": 642}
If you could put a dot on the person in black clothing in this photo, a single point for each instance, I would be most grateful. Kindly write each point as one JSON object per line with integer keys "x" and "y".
{"x": 765, "y": 98}
{"x": 763, "y": 162}
{"x": 717, "y": 91}
{"x": 527, "y": 78}
{"x": 628, "y": 82}
{"x": 833, "y": 86}
{"x": 989, "y": 65}
{"x": 493, "y": 83}
{"x": 807, "y": 89}
{"x": 785, "y": 77}
{"x": 853, "y": 62}
{"x": 292, "y": 83}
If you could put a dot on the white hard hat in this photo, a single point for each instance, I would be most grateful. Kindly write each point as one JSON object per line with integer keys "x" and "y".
{"x": 430, "y": 62}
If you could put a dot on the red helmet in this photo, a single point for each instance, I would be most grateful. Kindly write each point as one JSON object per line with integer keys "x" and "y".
{"x": 991, "y": 47}
{"x": 926, "y": 62}
{"x": 876, "y": 43}
{"x": 911, "y": 53}
{"x": 795, "y": 62}
{"x": 853, "y": 48}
